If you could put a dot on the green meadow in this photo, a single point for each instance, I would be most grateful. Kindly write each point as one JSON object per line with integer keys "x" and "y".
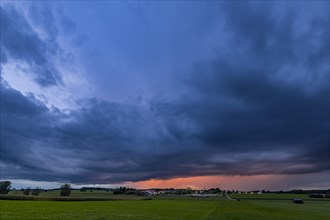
{"x": 163, "y": 207}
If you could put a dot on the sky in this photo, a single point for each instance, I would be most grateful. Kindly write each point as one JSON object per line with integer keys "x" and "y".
{"x": 228, "y": 94}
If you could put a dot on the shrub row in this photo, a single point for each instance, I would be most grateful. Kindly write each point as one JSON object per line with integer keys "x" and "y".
{"x": 33, "y": 198}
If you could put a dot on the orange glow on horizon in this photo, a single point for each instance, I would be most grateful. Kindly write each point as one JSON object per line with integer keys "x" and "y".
{"x": 244, "y": 183}
{"x": 200, "y": 182}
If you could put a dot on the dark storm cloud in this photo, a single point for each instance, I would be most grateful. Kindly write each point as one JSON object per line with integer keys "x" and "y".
{"x": 261, "y": 106}
{"x": 277, "y": 39}
{"x": 112, "y": 142}
{"x": 20, "y": 42}
{"x": 23, "y": 120}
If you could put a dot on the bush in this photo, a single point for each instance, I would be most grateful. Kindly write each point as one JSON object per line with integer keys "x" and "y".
{"x": 36, "y": 191}
{"x": 316, "y": 196}
{"x": 120, "y": 190}
{"x": 65, "y": 190}
{"x": 27, "y": 191}
{"x": 130, "y": 192}
{"x": 5, "y": 187}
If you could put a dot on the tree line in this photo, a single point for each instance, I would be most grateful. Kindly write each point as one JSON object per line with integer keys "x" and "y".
{"x": 5, "y": 187}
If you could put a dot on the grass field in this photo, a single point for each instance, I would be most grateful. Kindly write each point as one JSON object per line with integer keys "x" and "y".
{"x": 274, "y": 196}
{"x": 163, "y": 207}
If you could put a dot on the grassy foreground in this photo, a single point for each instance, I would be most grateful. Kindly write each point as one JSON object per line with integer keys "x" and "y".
{"x": 163, "y": 209}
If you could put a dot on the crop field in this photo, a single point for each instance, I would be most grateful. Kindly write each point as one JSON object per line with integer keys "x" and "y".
{"x": 163, "y": 207}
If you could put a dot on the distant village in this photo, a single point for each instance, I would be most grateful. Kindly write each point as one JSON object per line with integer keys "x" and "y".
{"x": 202, "y": 193}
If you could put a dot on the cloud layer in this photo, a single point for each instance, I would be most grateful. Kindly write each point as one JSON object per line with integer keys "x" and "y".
{"x": 31, "y": 41}
{"x": 260, "y": 105}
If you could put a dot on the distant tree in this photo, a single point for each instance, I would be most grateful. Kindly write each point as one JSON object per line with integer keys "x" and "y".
{"x": 213, "y": 190}
{"x": 27, "y": 191}
{"x": 124, "y": 190}
{"x": 327, "y": 195}
{"x": 65, "y": 190}
{"x": 36, "y": 191}
{"x": 5, "y": 187}
{"x": 297, "y": 191}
